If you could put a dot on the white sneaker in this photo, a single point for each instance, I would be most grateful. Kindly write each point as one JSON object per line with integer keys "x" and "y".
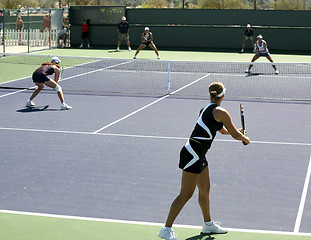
{"x": 242, "y": 50}
{"x": 213, "y": 228}
{"x": 276, "y": 72}
{"x": 64, "y": 106}
{"x": 167, "y": 234}
{"x": 158, "y": 57}
{"x": 130, "y": 49}
{"x": 118, "y": 49}
{"x": 81, "y": 46}
{"x": 134, "y": 57}
{"x": 247, "y": 71}
{"x": 30, "y": 103}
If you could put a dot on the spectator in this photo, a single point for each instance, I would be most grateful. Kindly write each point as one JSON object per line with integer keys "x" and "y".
{"x": 1, "y": 19}
{"x": 45, "y": 28}
{"x": 19, "y": 27}
{"x": 85, "y": 34}
{"x": 248, "y": 34}
{"x": 147, "y": 40}
{"x": 123, "y": 33}
{"x": 63, "y": 34}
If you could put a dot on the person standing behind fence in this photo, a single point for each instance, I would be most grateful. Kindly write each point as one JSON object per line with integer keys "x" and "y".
{"x": 85, "y": 34}
{"x": 19, "y": 28}
{"x": 63, "y": 34}
{"x": 248, "y": 34}
{"x": 45, "y": 28}
{"x": 123, "y": 30}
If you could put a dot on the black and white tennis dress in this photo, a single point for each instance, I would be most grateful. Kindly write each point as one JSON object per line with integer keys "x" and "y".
{"x": 192, "y": 155}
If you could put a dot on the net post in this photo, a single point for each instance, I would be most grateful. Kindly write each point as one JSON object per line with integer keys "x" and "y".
{"x": 169, "y": 77}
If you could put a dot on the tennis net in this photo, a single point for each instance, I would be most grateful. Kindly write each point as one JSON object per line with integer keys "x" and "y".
{"x": 179, "y": 78}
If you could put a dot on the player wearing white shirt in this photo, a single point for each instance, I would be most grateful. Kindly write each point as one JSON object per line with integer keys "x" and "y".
{"x": 261, "y": 51}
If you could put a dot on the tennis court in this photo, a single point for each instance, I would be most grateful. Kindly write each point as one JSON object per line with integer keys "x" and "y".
{"x": 108, "y": 168}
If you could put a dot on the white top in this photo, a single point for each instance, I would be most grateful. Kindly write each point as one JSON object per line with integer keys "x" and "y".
{"x": 261, "y": 47}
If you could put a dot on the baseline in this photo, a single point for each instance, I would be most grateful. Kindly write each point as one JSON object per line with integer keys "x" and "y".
{"x": 144, "y": 136}
{"x": 144, "y": 223}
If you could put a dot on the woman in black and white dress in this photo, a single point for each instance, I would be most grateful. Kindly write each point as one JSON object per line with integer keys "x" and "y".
{"x": 147, "y": 40}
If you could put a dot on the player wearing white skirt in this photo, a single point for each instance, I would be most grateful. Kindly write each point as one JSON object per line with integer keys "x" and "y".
{"x": 261, "y": 51}
{"x": 195, "y": 168}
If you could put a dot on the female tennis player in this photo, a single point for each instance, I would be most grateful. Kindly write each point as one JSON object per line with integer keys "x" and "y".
{"x": 261, "y": 51}
{"x": 193, "y": 162}
{"x": 40, "y": 78}
{"x": 147, "y": 40}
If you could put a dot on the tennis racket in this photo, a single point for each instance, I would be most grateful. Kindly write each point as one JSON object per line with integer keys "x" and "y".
{"x": 243, "y": 121}
{"x": 61, "y": 70}
{"x": 146, "y": 37}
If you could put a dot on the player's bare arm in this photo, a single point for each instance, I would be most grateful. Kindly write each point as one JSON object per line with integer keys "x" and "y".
{"x": 56, "y": 71}
{"x": 221, "y": 115}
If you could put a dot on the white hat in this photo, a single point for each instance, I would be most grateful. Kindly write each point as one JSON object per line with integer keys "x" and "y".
{"x": 56, "y": 60}
{"x": 259, "y": 36}
{"x": 123, "y": 18}
{"x": 248, "y": 25}
{"x": 146, "y": 28}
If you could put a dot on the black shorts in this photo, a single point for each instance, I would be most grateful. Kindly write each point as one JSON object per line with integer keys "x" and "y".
{"x": 196, "y": 162}
{"x": 84, "y": 35}
{"x": 40, "y": 77}
{"x": 267, "y": 54}
{"x": 147, "y": 43}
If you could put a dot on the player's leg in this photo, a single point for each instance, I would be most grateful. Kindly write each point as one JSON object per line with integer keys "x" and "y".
{"x": 155, "y": 49}
{"x": 209, "y": 226}
{"x": 52, "y": 84}
{"x": 188, "y": 185}
{"x": 30, "y": 103}
{"x": 251, "y": 65}
{"x": 204, "y": 194}
{"x": 141, "y": 46}
{"x": 274, "y": 67}
{"x": 40, "y": 86}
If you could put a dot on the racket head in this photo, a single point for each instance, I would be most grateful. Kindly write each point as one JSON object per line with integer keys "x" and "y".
{"x": 242, "y": 118}
{"x": 243, "y": 121}
{"x": 61, "y": 70}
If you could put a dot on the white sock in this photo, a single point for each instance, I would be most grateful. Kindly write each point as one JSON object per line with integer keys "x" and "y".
{"x": 210, "y": 223}
{"x": 167, "y": 228}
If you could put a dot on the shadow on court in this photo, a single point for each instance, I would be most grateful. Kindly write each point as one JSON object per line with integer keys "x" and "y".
{"x": 37, "y": 109}
{"x": 201, "y": 237}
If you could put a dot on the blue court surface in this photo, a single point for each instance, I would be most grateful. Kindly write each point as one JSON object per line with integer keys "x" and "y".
{"x": 116, "y": 157}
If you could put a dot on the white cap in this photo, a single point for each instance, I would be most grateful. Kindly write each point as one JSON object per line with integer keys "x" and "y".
{"x": 146, "y": 28}
{"x": 123, "y": 18}
{"x": 248, "y": 25}
{"x": 56, "y": 60}
{"x": 259, "y": 36}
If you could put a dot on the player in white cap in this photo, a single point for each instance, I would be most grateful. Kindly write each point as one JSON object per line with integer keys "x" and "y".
{"x": 40, "y": 78}
{"x": 147, "y": 40}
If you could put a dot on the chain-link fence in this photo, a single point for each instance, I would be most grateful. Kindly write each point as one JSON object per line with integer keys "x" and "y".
{"x": 27, "y": 30}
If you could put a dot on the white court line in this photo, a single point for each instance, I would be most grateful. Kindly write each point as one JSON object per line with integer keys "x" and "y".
{"x": 145, "y": 223}
{"x": 150, "y": 104}
{"x": 75, "y": 76}
{"x": 303, "y": 198}
{"x": 144, "y": 136}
